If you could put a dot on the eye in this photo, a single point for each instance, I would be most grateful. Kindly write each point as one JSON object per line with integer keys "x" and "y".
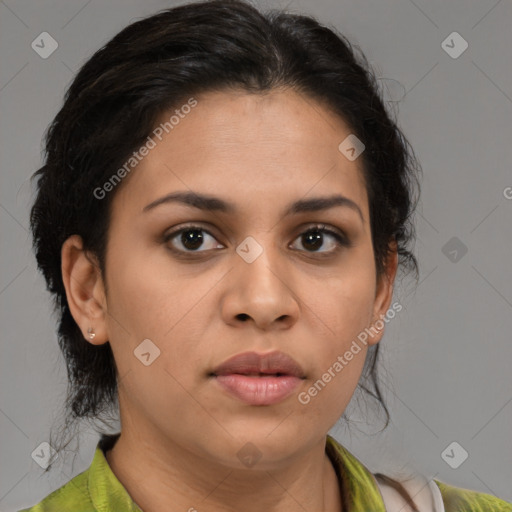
{"x": 192, "y": 239}
{"x": 314, "y": 238}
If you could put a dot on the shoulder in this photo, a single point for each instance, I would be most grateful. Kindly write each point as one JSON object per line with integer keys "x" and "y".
{"x": 428, "y": 493}
{"x": 73, "y": 495}
{"x": 457, "y": 499}
{"x": 434, "y": 495}
{"x": 96, "y": 488}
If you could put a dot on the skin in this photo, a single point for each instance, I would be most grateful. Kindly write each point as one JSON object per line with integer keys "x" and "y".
{"x": 180, "y": 431}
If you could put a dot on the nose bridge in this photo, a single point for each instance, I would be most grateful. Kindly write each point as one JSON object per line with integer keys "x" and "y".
{"x": 261, "y": 288}
{"x": 260, "y": 259}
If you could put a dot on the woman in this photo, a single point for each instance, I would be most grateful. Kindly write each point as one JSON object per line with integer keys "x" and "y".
{"x": 221, "y": 215}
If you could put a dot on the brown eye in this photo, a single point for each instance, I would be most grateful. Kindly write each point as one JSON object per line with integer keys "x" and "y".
{"x": 191, "y": 239}
{"x": 195, "y": 239}
{"x": 315, "y": 238}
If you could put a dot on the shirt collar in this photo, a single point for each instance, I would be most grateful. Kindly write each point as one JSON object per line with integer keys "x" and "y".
{"x": 106, "y": 491}
{"x": 358, "y": 487}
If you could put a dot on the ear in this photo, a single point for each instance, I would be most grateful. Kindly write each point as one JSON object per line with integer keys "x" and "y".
{"x": 383, "y": 295}
{"x": 84, "y": 290}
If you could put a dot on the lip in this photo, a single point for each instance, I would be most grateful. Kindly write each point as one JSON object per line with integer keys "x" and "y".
{"x": 252, "y": 363}
{"x": 240, "y": 377}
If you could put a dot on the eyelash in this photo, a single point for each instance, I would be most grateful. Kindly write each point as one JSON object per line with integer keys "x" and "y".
{"x": 342, "y": 240}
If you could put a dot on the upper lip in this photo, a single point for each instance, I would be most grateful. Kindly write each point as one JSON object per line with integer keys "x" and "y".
{"x": 252, "y": 362}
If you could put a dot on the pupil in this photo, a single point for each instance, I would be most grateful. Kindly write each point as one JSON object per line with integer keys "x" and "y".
{"x": 315, "y": 237}
{"x": 192, "y": 239}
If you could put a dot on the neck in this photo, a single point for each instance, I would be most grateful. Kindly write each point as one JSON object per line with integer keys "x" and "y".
{"x": 173, "y": 478}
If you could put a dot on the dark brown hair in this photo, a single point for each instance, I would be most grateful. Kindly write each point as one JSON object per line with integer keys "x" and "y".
{"x": 118, "y": 95}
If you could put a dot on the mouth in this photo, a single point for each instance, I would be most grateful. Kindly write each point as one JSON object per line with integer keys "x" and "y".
{"x": 259, "y": 379}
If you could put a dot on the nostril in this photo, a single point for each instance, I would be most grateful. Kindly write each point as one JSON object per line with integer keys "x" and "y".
{"x": 243, "y": 316}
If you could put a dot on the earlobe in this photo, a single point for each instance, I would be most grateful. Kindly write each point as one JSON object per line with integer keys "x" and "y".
{"x": 84, "y": 290}
{"x": 383, "y": 295}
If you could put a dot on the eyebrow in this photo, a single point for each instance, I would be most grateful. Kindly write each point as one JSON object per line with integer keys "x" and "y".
{"x": 212, "y": 203}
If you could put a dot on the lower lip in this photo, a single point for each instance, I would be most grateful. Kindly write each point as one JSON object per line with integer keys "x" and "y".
{"x": 259, "y": 390}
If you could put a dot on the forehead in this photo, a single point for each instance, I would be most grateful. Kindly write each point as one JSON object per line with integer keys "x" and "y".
{"x": 250, "y": 148}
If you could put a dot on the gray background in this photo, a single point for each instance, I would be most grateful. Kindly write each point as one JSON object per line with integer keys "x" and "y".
{"x": 447, "y": 354}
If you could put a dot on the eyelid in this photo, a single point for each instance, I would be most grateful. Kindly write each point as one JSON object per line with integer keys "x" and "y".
{"x": 325, "y": 228}
{"x": 190, "y": 225}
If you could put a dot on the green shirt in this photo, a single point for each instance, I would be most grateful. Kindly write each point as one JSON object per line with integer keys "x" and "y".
{"x": 98, "y": 490}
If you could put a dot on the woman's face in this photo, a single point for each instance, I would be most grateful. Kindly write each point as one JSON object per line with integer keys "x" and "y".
{"x": 251, "y": 277}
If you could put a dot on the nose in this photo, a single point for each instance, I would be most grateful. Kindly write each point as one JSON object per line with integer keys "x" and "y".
{"x": 261, "y": 292}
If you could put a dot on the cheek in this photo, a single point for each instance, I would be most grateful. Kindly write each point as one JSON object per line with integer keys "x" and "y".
{"x": 343, "y": 305}
{"x": 144, "y": 294}
{"x": 339, "y": 360}
{"x": 147, "y": 303}
{"x": 150, "y": 299}
{"x": 340, "y": 313}
{"x": 330, "y": 390}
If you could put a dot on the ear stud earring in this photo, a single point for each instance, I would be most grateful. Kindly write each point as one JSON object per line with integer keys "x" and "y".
{"x": 91, "y": 333}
